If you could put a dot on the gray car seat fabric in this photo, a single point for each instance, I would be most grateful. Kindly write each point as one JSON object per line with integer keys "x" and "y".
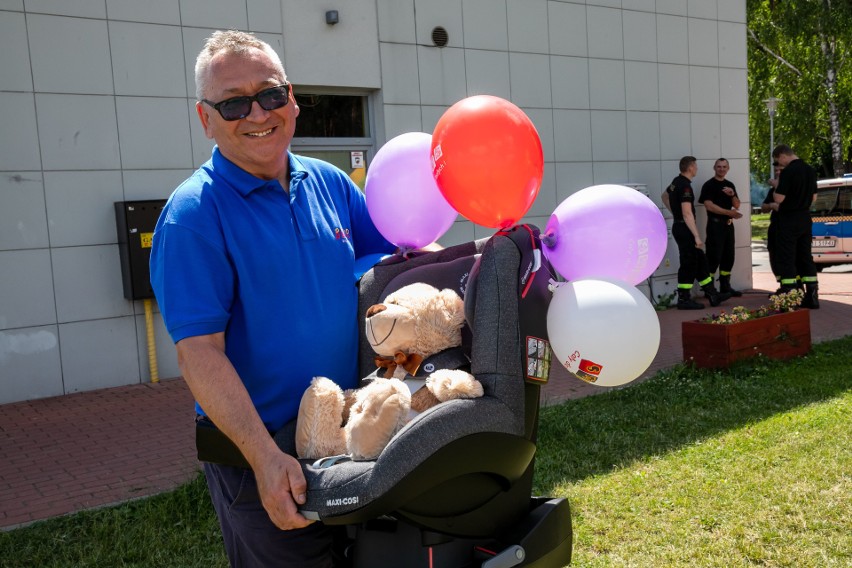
{"x": 478, "y": 428}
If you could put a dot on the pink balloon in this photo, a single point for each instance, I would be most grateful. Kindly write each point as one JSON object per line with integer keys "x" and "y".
{"x": 403, "y": 198}
{"x": 606, "y": 231}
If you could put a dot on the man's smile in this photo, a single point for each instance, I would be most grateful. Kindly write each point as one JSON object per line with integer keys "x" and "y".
{"x": 260, "y": 134}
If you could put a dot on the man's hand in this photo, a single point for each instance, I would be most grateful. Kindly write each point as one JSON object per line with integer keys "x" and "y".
{"x": 698, "y": 243}
{"x": 218, "y": 389}
{"x": 736, "y": 214}
{"x": 281, "y": 485}
{"x": 728, "y": 191}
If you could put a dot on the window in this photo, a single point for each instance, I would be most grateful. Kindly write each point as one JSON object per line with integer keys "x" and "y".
{"x": 331, "y": 116}
{"x": 845, "y": 201}
{"x": 335, "y": 128}
{"x": 824, "y": 202}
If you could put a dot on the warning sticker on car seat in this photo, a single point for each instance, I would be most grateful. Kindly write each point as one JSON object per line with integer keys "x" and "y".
{"x": 538, "y": 359}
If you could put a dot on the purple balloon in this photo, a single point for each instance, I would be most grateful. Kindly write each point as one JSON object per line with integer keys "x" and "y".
{"x": 606, "y": 231}
{"x": 403, "y": 198}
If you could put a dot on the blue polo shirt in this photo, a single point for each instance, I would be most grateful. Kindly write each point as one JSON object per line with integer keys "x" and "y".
{"x": 273, "y": 270}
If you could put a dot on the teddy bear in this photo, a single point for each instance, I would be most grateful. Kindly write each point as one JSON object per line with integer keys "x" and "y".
{"x": 413, "y": 331}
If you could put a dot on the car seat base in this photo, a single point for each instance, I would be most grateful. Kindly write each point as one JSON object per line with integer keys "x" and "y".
{"x": 542, "y": 539}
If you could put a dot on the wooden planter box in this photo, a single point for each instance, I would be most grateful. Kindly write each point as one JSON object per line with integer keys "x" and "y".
{"x": 779, "y": 336}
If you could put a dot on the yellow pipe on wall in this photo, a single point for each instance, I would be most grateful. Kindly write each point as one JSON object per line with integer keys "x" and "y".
{"x": 152, "y": 344}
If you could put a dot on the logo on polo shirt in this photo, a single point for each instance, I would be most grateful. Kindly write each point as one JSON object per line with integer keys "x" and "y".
{"x": 341, "y": 234}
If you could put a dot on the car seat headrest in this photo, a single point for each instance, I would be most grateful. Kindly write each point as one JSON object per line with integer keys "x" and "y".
{"x": 454, "y": 274}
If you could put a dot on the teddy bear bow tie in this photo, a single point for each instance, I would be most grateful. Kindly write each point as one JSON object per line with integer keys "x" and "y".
{"x": 408, "y": 362}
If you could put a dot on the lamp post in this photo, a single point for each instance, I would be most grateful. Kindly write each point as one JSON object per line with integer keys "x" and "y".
{"x": 771, "y": 105}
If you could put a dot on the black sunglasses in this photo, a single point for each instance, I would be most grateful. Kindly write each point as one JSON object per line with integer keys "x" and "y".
{"x": 236, "y": 108}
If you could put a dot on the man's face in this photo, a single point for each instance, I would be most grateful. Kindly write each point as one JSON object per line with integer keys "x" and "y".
{"x": 721, "y": 168}
{"x": 258, "y": 142}
{"x": 693, "y": 170}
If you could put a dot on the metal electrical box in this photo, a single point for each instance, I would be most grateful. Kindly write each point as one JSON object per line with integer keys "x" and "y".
{"x": 135, "y": 222}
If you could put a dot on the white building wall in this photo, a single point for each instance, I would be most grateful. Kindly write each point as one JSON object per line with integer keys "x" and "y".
{"x": 100, "y": 108}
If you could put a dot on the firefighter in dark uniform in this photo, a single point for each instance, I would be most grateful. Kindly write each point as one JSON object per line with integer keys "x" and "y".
{"x": 680, "y": 199}
{"x": 769, "y": 206}
{"x": 794, "y": 193}
{"x": 720, "y": 199}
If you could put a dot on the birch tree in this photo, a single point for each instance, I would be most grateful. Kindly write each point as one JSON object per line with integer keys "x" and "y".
{"x": 798, "y": 51}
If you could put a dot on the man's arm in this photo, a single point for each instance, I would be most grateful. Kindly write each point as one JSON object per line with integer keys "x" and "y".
{"x": 733, "y": 213}
{"x": 735, "y": 201}
{"x": 769, "y": 202}
{"x": 689, "y": 219}
{"x": 776, "y": 185}
{"x": 220, "y": 392}
{"x": 665, "y": 200}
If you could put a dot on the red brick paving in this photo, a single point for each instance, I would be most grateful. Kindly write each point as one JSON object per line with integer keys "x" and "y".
{"x": 65, "y": 454}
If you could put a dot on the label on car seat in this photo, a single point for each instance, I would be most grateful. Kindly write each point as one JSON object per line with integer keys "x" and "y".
{"x": 538, "y": 359}
{"x": 341, "y": 501}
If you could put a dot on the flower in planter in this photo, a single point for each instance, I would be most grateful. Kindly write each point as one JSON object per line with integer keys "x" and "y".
{"x": 779, "y": 303}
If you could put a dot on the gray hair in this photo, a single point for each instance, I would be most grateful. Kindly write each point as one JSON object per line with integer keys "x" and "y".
{"x": 229, "y": 41}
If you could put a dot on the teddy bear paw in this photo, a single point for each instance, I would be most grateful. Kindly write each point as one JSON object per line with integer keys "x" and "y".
{"x": 450, "y": 384}
{"x": 319, "y": 431}
{"x": 380, "y": 411}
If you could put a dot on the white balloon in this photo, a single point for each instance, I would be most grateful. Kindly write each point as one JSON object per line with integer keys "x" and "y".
{"x": 604, "y": 331}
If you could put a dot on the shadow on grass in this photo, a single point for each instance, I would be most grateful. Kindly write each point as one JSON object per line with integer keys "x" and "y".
{"x": 679, "y": 407}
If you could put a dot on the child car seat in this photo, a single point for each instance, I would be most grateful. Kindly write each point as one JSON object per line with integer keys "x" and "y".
{"x": 453, "y": 487}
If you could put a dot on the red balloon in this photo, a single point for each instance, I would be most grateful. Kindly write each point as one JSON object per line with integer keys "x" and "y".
{"x": 487, "y": 160}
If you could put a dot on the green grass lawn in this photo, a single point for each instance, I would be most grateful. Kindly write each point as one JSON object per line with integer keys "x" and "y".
{"x": 705, "y": 468}
{"x": 759, "y": 225}
{"x": 746, "y": 467}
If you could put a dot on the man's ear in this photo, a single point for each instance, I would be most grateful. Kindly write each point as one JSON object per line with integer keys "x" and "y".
{"x": 293, "y": 100}
{"x": 204, "y": 115}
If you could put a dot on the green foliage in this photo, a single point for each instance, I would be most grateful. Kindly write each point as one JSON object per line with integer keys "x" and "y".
{"x": 792, "y": 49}
{"x": 665, "y": 301}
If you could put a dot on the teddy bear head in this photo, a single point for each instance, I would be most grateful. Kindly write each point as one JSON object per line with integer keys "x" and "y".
{"x": 416, "y": 319}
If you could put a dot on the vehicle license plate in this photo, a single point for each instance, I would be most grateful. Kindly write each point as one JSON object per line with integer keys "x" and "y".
{"x": 823, "y": 243}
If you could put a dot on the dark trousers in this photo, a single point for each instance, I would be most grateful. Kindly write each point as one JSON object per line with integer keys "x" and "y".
{"x": 251, "y": 539}
{"x": 771, "y": 246}
{"x": 720, "y": 246}
{"x": 693, "y": 261}
{"x": 793, "y": 238}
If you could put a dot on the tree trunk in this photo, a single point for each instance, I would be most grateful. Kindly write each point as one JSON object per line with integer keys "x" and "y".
{"x": 828, "y": 45}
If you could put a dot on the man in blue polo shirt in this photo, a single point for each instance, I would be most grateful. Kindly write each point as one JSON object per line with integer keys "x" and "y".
{"x": 253, "y": 269}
